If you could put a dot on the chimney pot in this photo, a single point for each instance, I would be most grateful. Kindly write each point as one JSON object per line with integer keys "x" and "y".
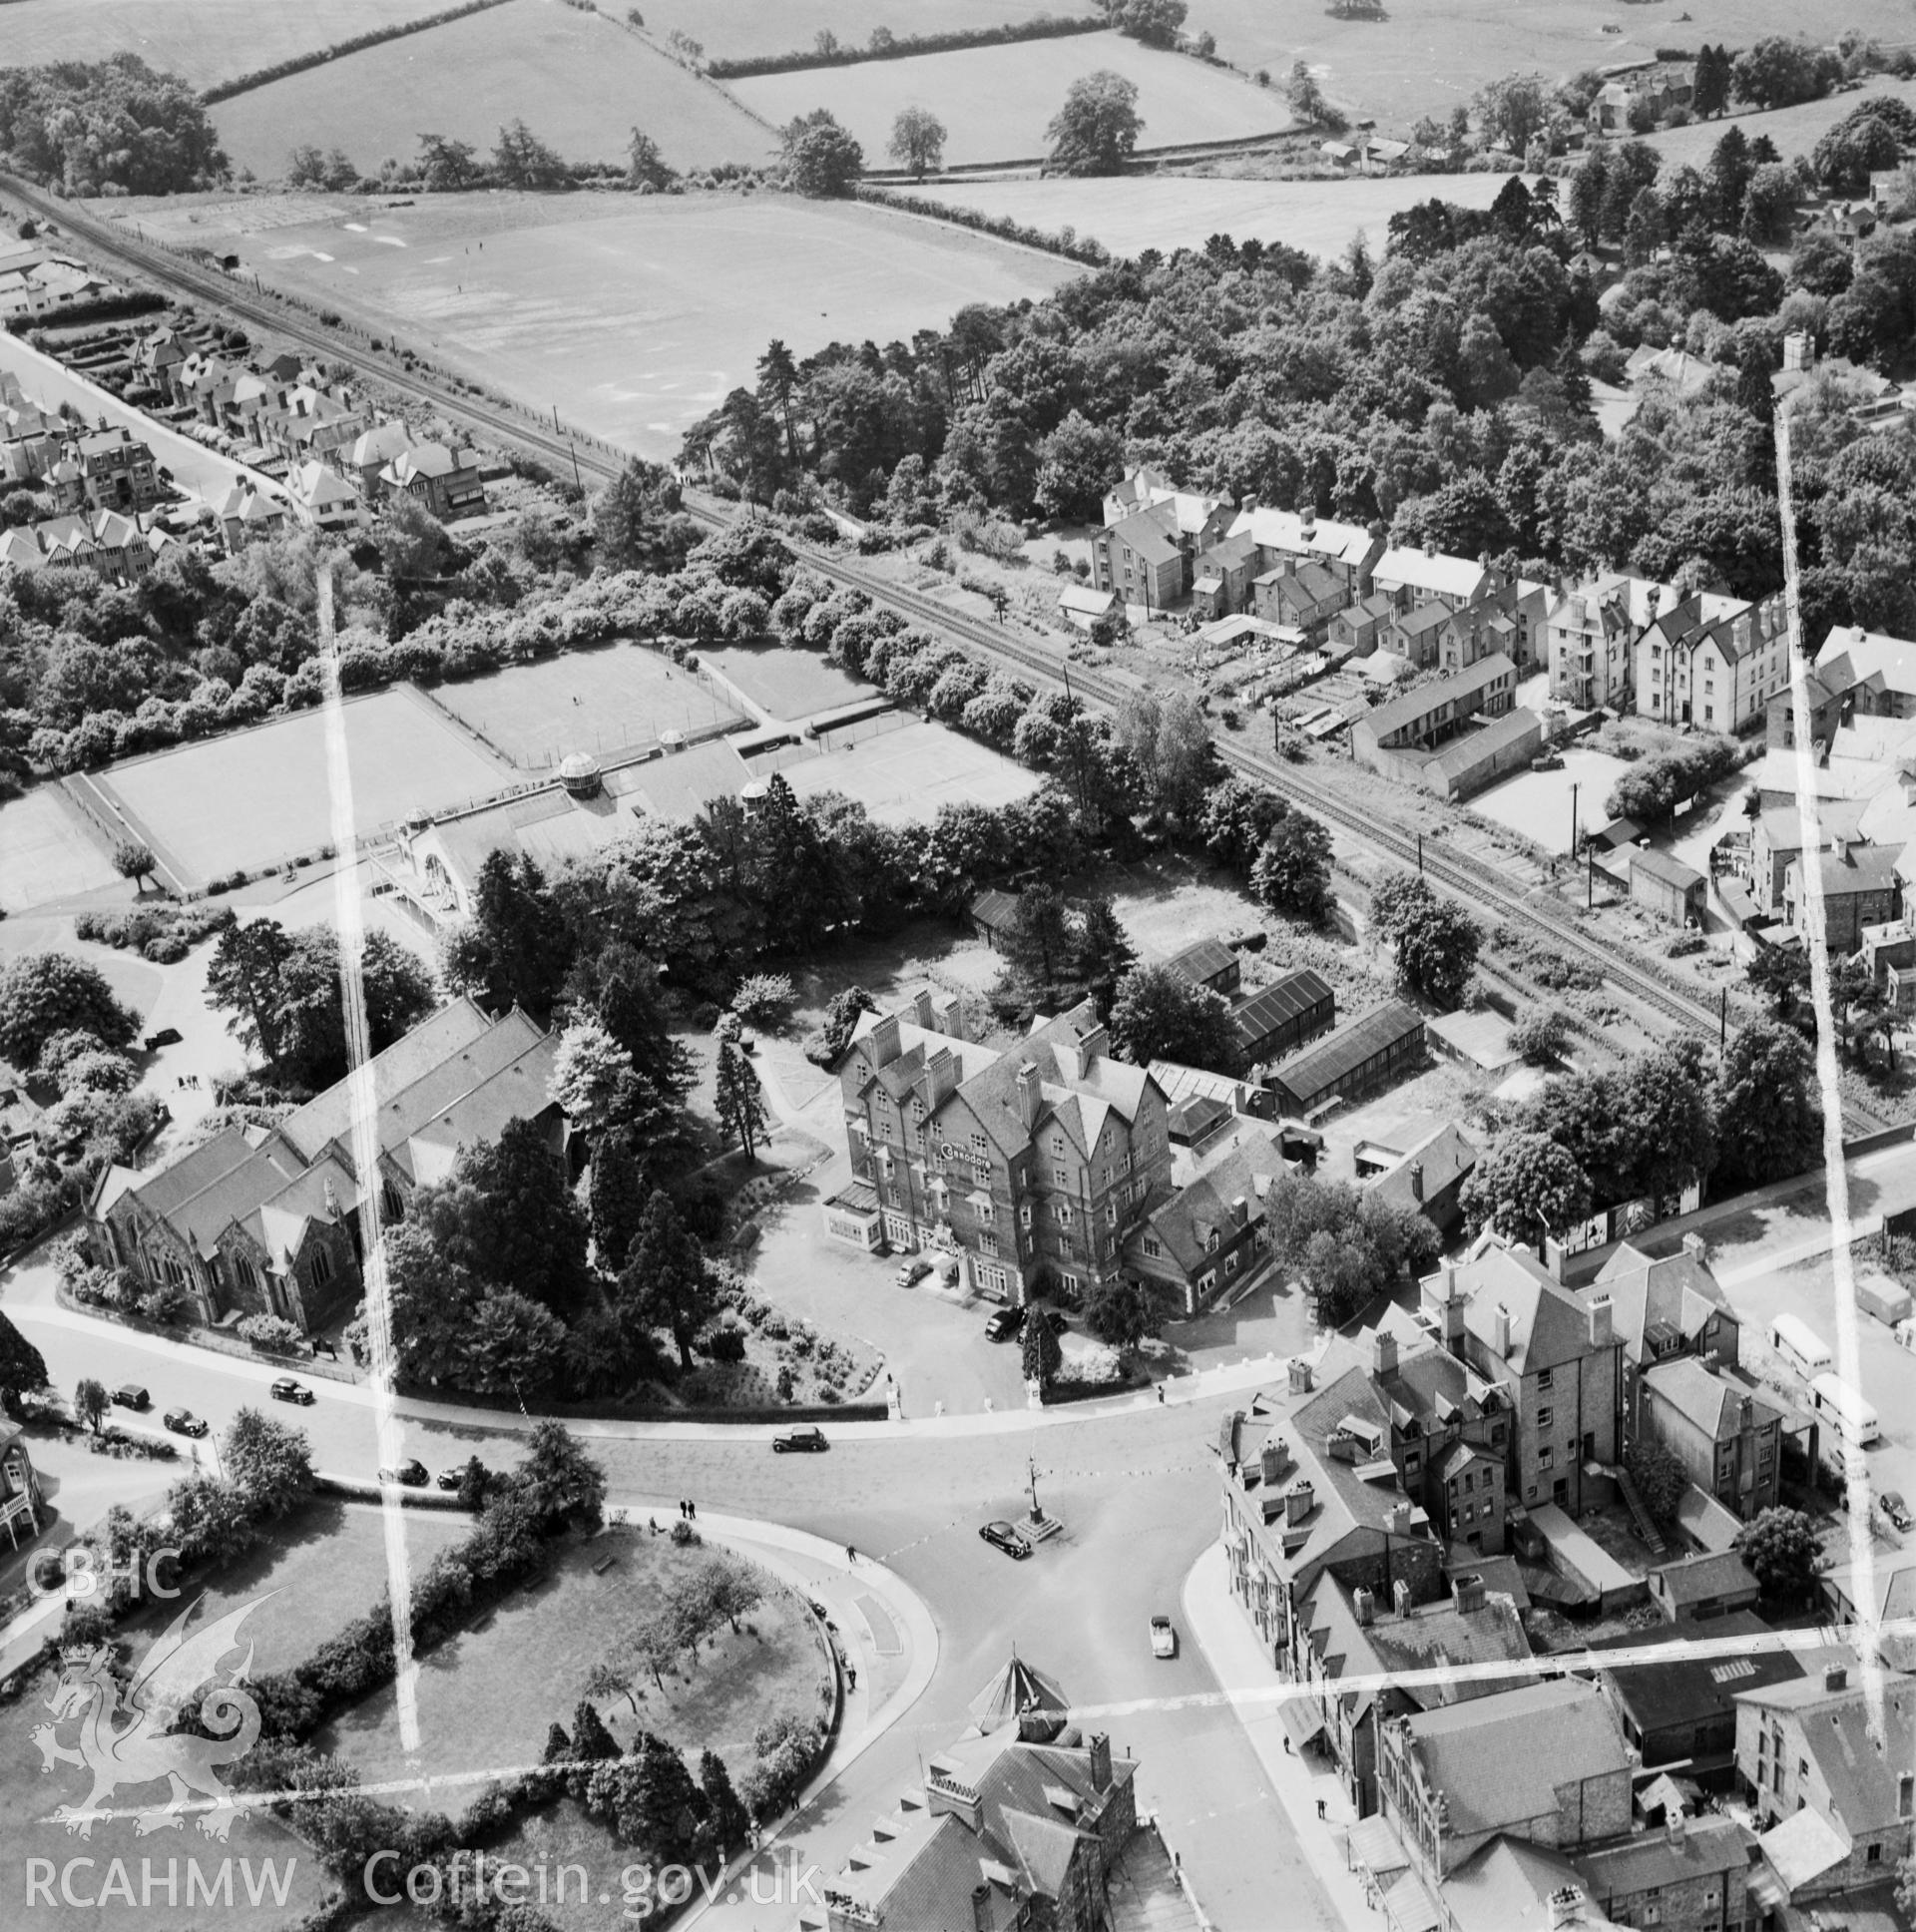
{"x": 1601, "y": 1323}
{"x": 1363, "y": 1606}
{"x": 1300, "y": 1501}
{"x": 1271, "y": 1462}
{"x": 1695, "y": 1247}
{"x": 1400, "y": 1597}
{"x": 1101, "y": 1760}
{"x": 1836, "y": 1678}
{"x": 1416, "y": 1180}
{"x": 1675, "y": 1823}
{"x": 1383, "y": 1354}
{"x": 1500, "y": 1330}
{"x": 1467, "y": 1592}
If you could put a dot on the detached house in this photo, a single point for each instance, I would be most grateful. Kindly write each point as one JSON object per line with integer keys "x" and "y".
{"x": 108, "y": 470}
{"x": 1033, "y": 1164}
{"x": 1140, "y": 561}
{"x": 445, "y": 480}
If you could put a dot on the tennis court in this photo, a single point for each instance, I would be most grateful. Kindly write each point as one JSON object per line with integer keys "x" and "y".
{"x": 785, "y": 684}
{"x": 255, "y": 800}
{"x": 47, "y": 851}
{"x": 901, "y": 778}
{"x": 616, "y": 698}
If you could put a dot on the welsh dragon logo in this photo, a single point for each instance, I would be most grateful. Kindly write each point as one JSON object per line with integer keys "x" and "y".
{"x": 143, "y": 1749}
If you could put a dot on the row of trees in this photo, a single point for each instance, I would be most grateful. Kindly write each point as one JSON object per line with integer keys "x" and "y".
{"x": 1663, "y": 1123}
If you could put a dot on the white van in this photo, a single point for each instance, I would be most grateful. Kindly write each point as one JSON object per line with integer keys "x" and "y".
{"x": 1801, "y": 1347}
{"x": 1847, "y": 1411}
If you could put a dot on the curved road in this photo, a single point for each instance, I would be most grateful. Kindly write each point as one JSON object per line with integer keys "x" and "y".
{"x": 1136, "y": 1490}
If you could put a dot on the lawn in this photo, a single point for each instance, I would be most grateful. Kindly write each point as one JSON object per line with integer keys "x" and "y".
{"x": 327, "y": 1568}
{"x": 203, "y": 41}
{"x": 1425, "y": 56}
{"x": 603, "y": 702}
{"x": 1182, "y": 211}
{"x": 738, "y": 26}
{"x": 488, "y": 1696}
{"x": 635, "y": 317}
{"x": 901, "y": 777}
{"x": 48, "y": 851}
{"x": 787, "y": 685}
{"x": 996, "y": 102}
{"x": 577, "y": 79}
{"x": 257, "y": 798}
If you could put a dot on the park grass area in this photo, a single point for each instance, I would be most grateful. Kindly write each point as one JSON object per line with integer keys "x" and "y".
{"x": 636, "y": 317}
{"x": 612, "y": 699}
{"x": 488, "y": 1696}
{"x": 787, "y": 684}
{"x": 577, "y": 79}
{"x": 203, "y": 41}
{"x": 903, "y": 775}
{"x": 1416, "y": 57}
{"x": 260, "y": 799}
{"x": 319, "y": 1571}
{"x": 996, "y": 102}
{"x": 48, "y": 851}
{"x": 1795, "y": 130}
{"x": 1167, "y": 212}
{"x": 732, "y": 29}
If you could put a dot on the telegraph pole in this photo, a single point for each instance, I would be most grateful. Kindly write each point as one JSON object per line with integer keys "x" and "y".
{"x": 1572, "y": 819}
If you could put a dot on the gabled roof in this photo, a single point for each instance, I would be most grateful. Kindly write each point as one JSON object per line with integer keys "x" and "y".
{"x": 1548, "y": 1327}
{"x": 1667, "y": 868}
{"x": 1507, "y": 1886}
{"x": 1709, "y": 1848}
{"x": 1857, "y": 1770}
{"x": 1460, "y": 687}
{"x": 1318, "y": 1067}
{"x": 1304, "y": 535}
{"x": 1447, "y": 1154}
{"x": 1702, "y": 1579}
{"x": 1678, "y": 1289}
{"x": 1146, "y": 533}
{"x": 1188, "y": 1218}
{"x": 1275, "y": 1005}
{"x": 1872, "y": 653}
{"x": 1493, "y": 1757}
{"x": 1434, "y": 574}
{"x": 1201, "y": 960}
{"x": 1705, "y": 1399}
{"x": 1863, "y": 868}
{"x": 1802, "y": 1849}
{"x": 1686, "y": 1688}
{"x": 1466, "y": 753}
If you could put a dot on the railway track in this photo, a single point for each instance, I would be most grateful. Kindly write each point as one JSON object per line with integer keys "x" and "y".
{"x": 1477, "y": 884}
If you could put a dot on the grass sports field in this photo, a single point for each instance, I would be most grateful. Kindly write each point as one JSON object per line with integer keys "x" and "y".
{"x": 902, "y": 776}
{"x": 253, "y": 799}
{"x": 1172, "y": 212}
{"x": 203, "y": 41}
{"x": 601, "y": 701}
{"x": 785, "y": 684}
{"x": 637, "y": 316}
{"x": 47, "y": 851}
{"x": 996, "y": 102}
{"x": 487, "y": 1696}
{"x": 1420, "y": 57}
{"x": 578, "y": 80}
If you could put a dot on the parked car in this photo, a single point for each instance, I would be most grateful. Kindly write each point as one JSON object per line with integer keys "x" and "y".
{"x": 1004, "y": 1324}
{"x": 800, "y": 1441}
{"x": 1003, "y": 1537}
{"x": 1055, "y": 1319}
{"x": 1895, "y": 1508}
{"x": 1548, "y": 761}
{"x": 182, "y": 1422}
{"x": 1163, "y": 1640}
{"x": 130, "y": 1395}
{"x": 288, "y": 1388}
{"x": 913, "y": 1270}
{"x": 410, "y": 1474}
{"x": 451, "y": 1477}
{"x": 166, "y": 1037}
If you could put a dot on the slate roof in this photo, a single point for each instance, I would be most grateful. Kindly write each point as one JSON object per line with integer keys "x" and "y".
{"x": 1709, "y": 1401}
{"x": 1146, "y": 532}
{"x": 1188, "y": 1218}
{"x": 1865, "y": 868}
{"x": 1708, "y": 1849}
{"x": 1477, "y": 748}
{"x": 1436, "y": 576}
{"x": 1506, "y": 1886}
{"x": 1549, "y": 1328}
{"x": 1667, "y": 868}
{"x": 1702, "y": 1579}
{"x": 1349, "y": 544}
{"x": 1493, "y": 1756}
{"x": 681, "y": 784}
{"x": 1679, "y": 1289}
{"x": 1689, "y": 1690}
{"x": 1461, "y": 687}
{"x": 1447, "y": 1155}
{"x": 1872, "y": 653}
{"x": 1859, "y": 1773}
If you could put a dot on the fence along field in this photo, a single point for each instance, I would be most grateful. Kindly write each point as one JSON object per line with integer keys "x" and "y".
{"x": 203, "y": 41}
{"x": 729, "y": 29}
{"x": 579, "y": 81}
{"x": 996, "y": 102}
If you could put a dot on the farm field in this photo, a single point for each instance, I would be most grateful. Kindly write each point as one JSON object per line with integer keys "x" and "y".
{"x": 47, "y": 851}
{"x": 607, "y": 700}
{"x": 255, "y": 800}
{"x": 203, "y": 41}
{"x": 637, "y": 316}
{"x": 1425, "y": 56}
{"x": 902, "y": 776}
{"x": 996, "y": 102}
{"x": 1179, "y": 210}
{"x": 1795, "y": 130}
{"x": 738, "y": 26}
{"x": 487, "y": 1696}
{"x": 576, "y": 80}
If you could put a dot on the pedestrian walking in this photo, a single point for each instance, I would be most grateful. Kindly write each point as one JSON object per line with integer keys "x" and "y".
{"x": 851, "y": 1678}
{"x": 685, "y": 1510}
{"x": 1161, "y": 1395}
{"x": 1287, "y": 1749}
{"x": 1320, "y": 1810}
{"x": 852, "y": 1555}
{"x": 691, "y": 1511}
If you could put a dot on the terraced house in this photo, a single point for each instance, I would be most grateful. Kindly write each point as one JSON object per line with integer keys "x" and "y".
{"x": 1032, "y": 1165}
